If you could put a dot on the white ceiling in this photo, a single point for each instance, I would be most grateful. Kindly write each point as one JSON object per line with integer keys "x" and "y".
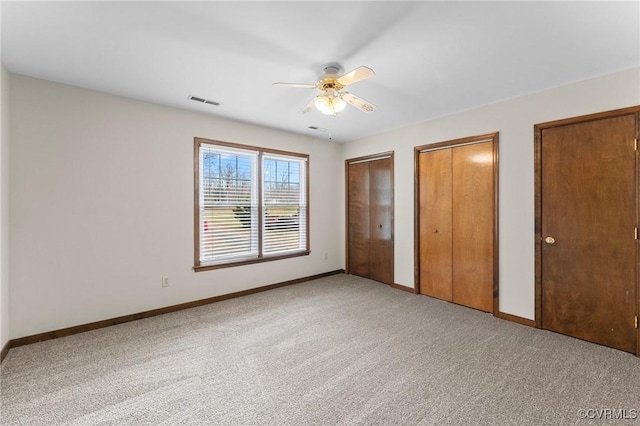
{"x": 431, "y": 58}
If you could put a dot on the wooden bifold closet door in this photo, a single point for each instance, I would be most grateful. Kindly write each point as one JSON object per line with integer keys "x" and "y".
{"x": 457, "y": 221}
{"x": 370, "y": 217}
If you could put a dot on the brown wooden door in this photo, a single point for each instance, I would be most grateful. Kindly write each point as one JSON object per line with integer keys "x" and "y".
{"x": 588, "y": 218}
{"x": 472, "y": 225}
{"x": 358, "y": 218}
{"x": 435, "y": 200}
{"x": 457, "y": 234}
{"x": 380, "y": 221}
{"x": 370, "y": 218}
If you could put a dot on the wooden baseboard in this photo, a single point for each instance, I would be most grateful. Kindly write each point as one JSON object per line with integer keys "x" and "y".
{"x": 517, "y": 319}
{"x": 160, "y": 311}
{"x": 403, "y": 288}
{"x": 5, "y": 350}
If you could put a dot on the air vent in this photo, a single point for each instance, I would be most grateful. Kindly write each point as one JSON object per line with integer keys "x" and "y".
{"x": 205, "y": 101}
{"x": 320, "y": 129}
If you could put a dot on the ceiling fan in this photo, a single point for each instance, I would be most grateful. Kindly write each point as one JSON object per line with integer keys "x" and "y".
{"x": 332, "y": 100}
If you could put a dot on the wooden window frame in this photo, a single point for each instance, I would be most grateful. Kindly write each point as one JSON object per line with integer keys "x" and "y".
{"x": 198, "y": 266}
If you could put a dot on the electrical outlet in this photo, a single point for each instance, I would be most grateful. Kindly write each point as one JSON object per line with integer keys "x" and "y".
{"x": 165, "y": 281}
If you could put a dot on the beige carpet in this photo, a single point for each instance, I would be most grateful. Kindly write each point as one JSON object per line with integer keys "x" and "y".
{"x": 339, "y": 350}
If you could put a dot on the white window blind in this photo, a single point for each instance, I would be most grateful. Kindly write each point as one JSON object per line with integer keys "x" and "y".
{"x": 228, "y": 204}
{"x": 252, "y": 204}
{"x": 284, "y": 200}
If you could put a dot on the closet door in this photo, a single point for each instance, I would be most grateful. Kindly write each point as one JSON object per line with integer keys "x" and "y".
{"x": 370, "y": 217}
{"x": 358, "y": 218}
{"x": 456, "y": 237}
{"x": 435, "y": 224}
{"x": 380, "y": 221}
{"x": 472, "y": 217}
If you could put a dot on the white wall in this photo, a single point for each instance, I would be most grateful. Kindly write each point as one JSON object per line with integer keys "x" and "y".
{"x": 514, "y": 119}
{"x": 101, "y": 204}
{"x": 101, "y": 198}
{"x": 4, "y": 206}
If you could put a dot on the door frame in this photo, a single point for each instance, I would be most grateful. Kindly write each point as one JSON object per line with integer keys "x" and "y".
{"x": 364, "y": 159}
{"x": 489, "y": 137}
{"x": 538, "y": 128}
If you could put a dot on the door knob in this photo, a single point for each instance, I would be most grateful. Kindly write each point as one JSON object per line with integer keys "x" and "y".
{"x": 550, "y": 240}
{"x": 435, "y": 231}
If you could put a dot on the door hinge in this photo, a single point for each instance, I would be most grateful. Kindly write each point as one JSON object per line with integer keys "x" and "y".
{"x": 635, "y": 144}
{"x": 636, "y": 321}
{"x": 636, "y": 233}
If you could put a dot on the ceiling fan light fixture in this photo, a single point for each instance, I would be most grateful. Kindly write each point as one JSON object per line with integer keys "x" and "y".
{"x": 338, "y": 104}
{"x": 322, "y": 103}
{"x": 329, "y": 104}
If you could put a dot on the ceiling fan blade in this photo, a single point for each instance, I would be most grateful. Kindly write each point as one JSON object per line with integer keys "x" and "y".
{"x": 308, "y": 107}
{"x": 303, "y": 85}
{"x": 357, "y": 102}
{"x": 359, "y": 74}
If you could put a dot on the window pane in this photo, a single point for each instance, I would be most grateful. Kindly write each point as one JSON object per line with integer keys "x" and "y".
{"x": 228, "y": 208}
{"x": 284, "y": 205}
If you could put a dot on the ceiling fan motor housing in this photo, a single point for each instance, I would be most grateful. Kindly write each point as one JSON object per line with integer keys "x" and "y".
{"x": 329, "y": 81}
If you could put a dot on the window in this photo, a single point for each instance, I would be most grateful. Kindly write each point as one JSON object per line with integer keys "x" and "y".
{"x": 251, "y": 204}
